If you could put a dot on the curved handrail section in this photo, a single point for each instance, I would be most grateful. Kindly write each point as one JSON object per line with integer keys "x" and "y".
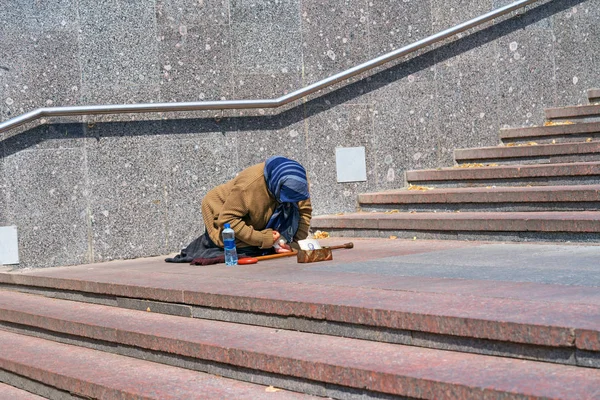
{"x": 264, "y": 103}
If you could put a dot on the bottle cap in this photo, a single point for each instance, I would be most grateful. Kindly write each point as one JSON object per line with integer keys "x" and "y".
{"x": 227, "y": 226}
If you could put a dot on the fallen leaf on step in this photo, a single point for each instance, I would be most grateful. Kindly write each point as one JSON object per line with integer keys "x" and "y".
{"x": 415, "y": 238}
{"x": 148, "y": 309}
{"x": 556, "y": 123}
{"x": 412, "y": 212}
{"x": 510, "y": 144}
{"x": 417, "y": 187}
{"x": 588, "y": 139}
{"x": 553, "y": 141}
{"x": 392, "y": 212}
{"x": 321, "y": 235}
{"x": 469, "y": 165}
{"x": 272, "y": 389}
{"x": 340, "y": 213}
{"x": 393, "y": 237}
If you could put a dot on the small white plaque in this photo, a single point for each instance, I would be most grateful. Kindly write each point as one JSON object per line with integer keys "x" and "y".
{"x": 351, "y": 164}
{"x": 9, "y": 246}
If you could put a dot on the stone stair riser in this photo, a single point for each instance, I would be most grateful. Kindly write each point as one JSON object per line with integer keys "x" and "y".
{"x": 589, "y": 112}
{"x": 500, "y": 182}
{"x": 556, "y": 154}
{"x": 483, "y": 207}
{"x": 67, "y": 369}
{"x": 315, "y": 364}
{"x": 579, "y": 132}
{"x": 452, "y": 234}
{"x": 584, "y": 138}
{"x": 500, "y": 348}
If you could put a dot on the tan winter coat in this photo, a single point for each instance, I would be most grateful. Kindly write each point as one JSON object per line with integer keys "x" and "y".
{"x": 245, "y": 203}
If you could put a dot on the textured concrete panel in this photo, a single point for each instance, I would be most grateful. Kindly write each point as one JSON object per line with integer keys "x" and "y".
{"x": 266, "y": 86}
{"x": 393, "y": 25}
{"x": 47, "y": 202}
{"x": 525, "y": 72}
{"x": 39, "y": 69}
{"x": 405, "y": 127}
{"x": 327, "y": 129}
{"x": 285, "y": 12}
{"x": 117, "y": 51}
{"x": 39, "y": 16}
{"x": 331, "y": 45}
{"x": 183, "y": 14}
{"x": 3, "y": 190}
{"x": 193, "y": 167}
{"x": 266, "y": 48}
{"x": 259, "y": 138}
{"x": 446, "y": 14}
{"x": 466, "y": 77}
{"x": 195, "y": 65}
{"x": 52, "y": 136}
{"x": 127, "y": 195}
{"x": 577, "y": 50}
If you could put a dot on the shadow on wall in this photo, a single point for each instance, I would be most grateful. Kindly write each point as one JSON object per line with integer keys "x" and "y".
{"x": 39, "y": 134}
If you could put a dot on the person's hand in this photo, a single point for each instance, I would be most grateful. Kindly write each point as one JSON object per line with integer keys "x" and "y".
{"x": 279, "y": 247}
{"x": 283, "y": 248}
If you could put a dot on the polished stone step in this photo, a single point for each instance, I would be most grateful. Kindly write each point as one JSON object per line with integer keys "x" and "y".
{"x": 509, "y": 175}
{"x": 580, "y": 132}
{"x": 10, "y": 392}
{"x": 576, "y": 112}
{"x": 594, "y": 95}
{"x": 560, "y": 221}
{"x": 544, "y": 153}
{"x": 535, "y": 198}
{"x": 337, "y": 304}
{"x": 317, "y": 364}
{"x": 87, "y": 373}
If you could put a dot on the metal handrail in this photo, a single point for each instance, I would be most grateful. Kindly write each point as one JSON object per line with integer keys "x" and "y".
{"x": 264, "y": 103}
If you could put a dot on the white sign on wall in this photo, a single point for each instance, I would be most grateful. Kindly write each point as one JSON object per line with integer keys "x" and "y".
{"x": 351, "y": 164}
{"x": 9, "y": 246}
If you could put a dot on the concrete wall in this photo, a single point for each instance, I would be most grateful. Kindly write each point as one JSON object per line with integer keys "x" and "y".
{"x": 104, "y": 187}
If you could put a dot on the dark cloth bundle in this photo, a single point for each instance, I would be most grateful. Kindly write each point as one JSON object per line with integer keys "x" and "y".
{"x": 202, "y": 251}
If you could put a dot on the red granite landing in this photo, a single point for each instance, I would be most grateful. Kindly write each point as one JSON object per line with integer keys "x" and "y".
{"x": 520, "y": 312}
{"x": 380, "y": 367}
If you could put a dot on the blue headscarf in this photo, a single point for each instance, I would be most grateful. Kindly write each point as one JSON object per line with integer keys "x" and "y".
{"x": 287, "y": 183}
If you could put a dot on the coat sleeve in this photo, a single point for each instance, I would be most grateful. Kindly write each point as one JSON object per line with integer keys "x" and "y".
{"x": 305, "y": 208}
{"x": 235, "y": 208}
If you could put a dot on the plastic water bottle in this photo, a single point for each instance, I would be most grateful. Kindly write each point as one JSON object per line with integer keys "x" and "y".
{"x": 231, "y": 257}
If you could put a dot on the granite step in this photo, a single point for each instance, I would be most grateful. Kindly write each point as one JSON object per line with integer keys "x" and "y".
{"x": 509, "y": 175}
{"x": 575, "y": 112}
{"x": 594, "y": 95}
{"x": 13, "y": 393}
{"x": 535, "y": 198}
{"x": 580, "y": 132}
{"x": 562, "y": 328}
{"x": 315, "y": 364}
{"x": 65, "y": 371}
{"x": 560, "y": 225}
{"x": 545, "y": 153}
